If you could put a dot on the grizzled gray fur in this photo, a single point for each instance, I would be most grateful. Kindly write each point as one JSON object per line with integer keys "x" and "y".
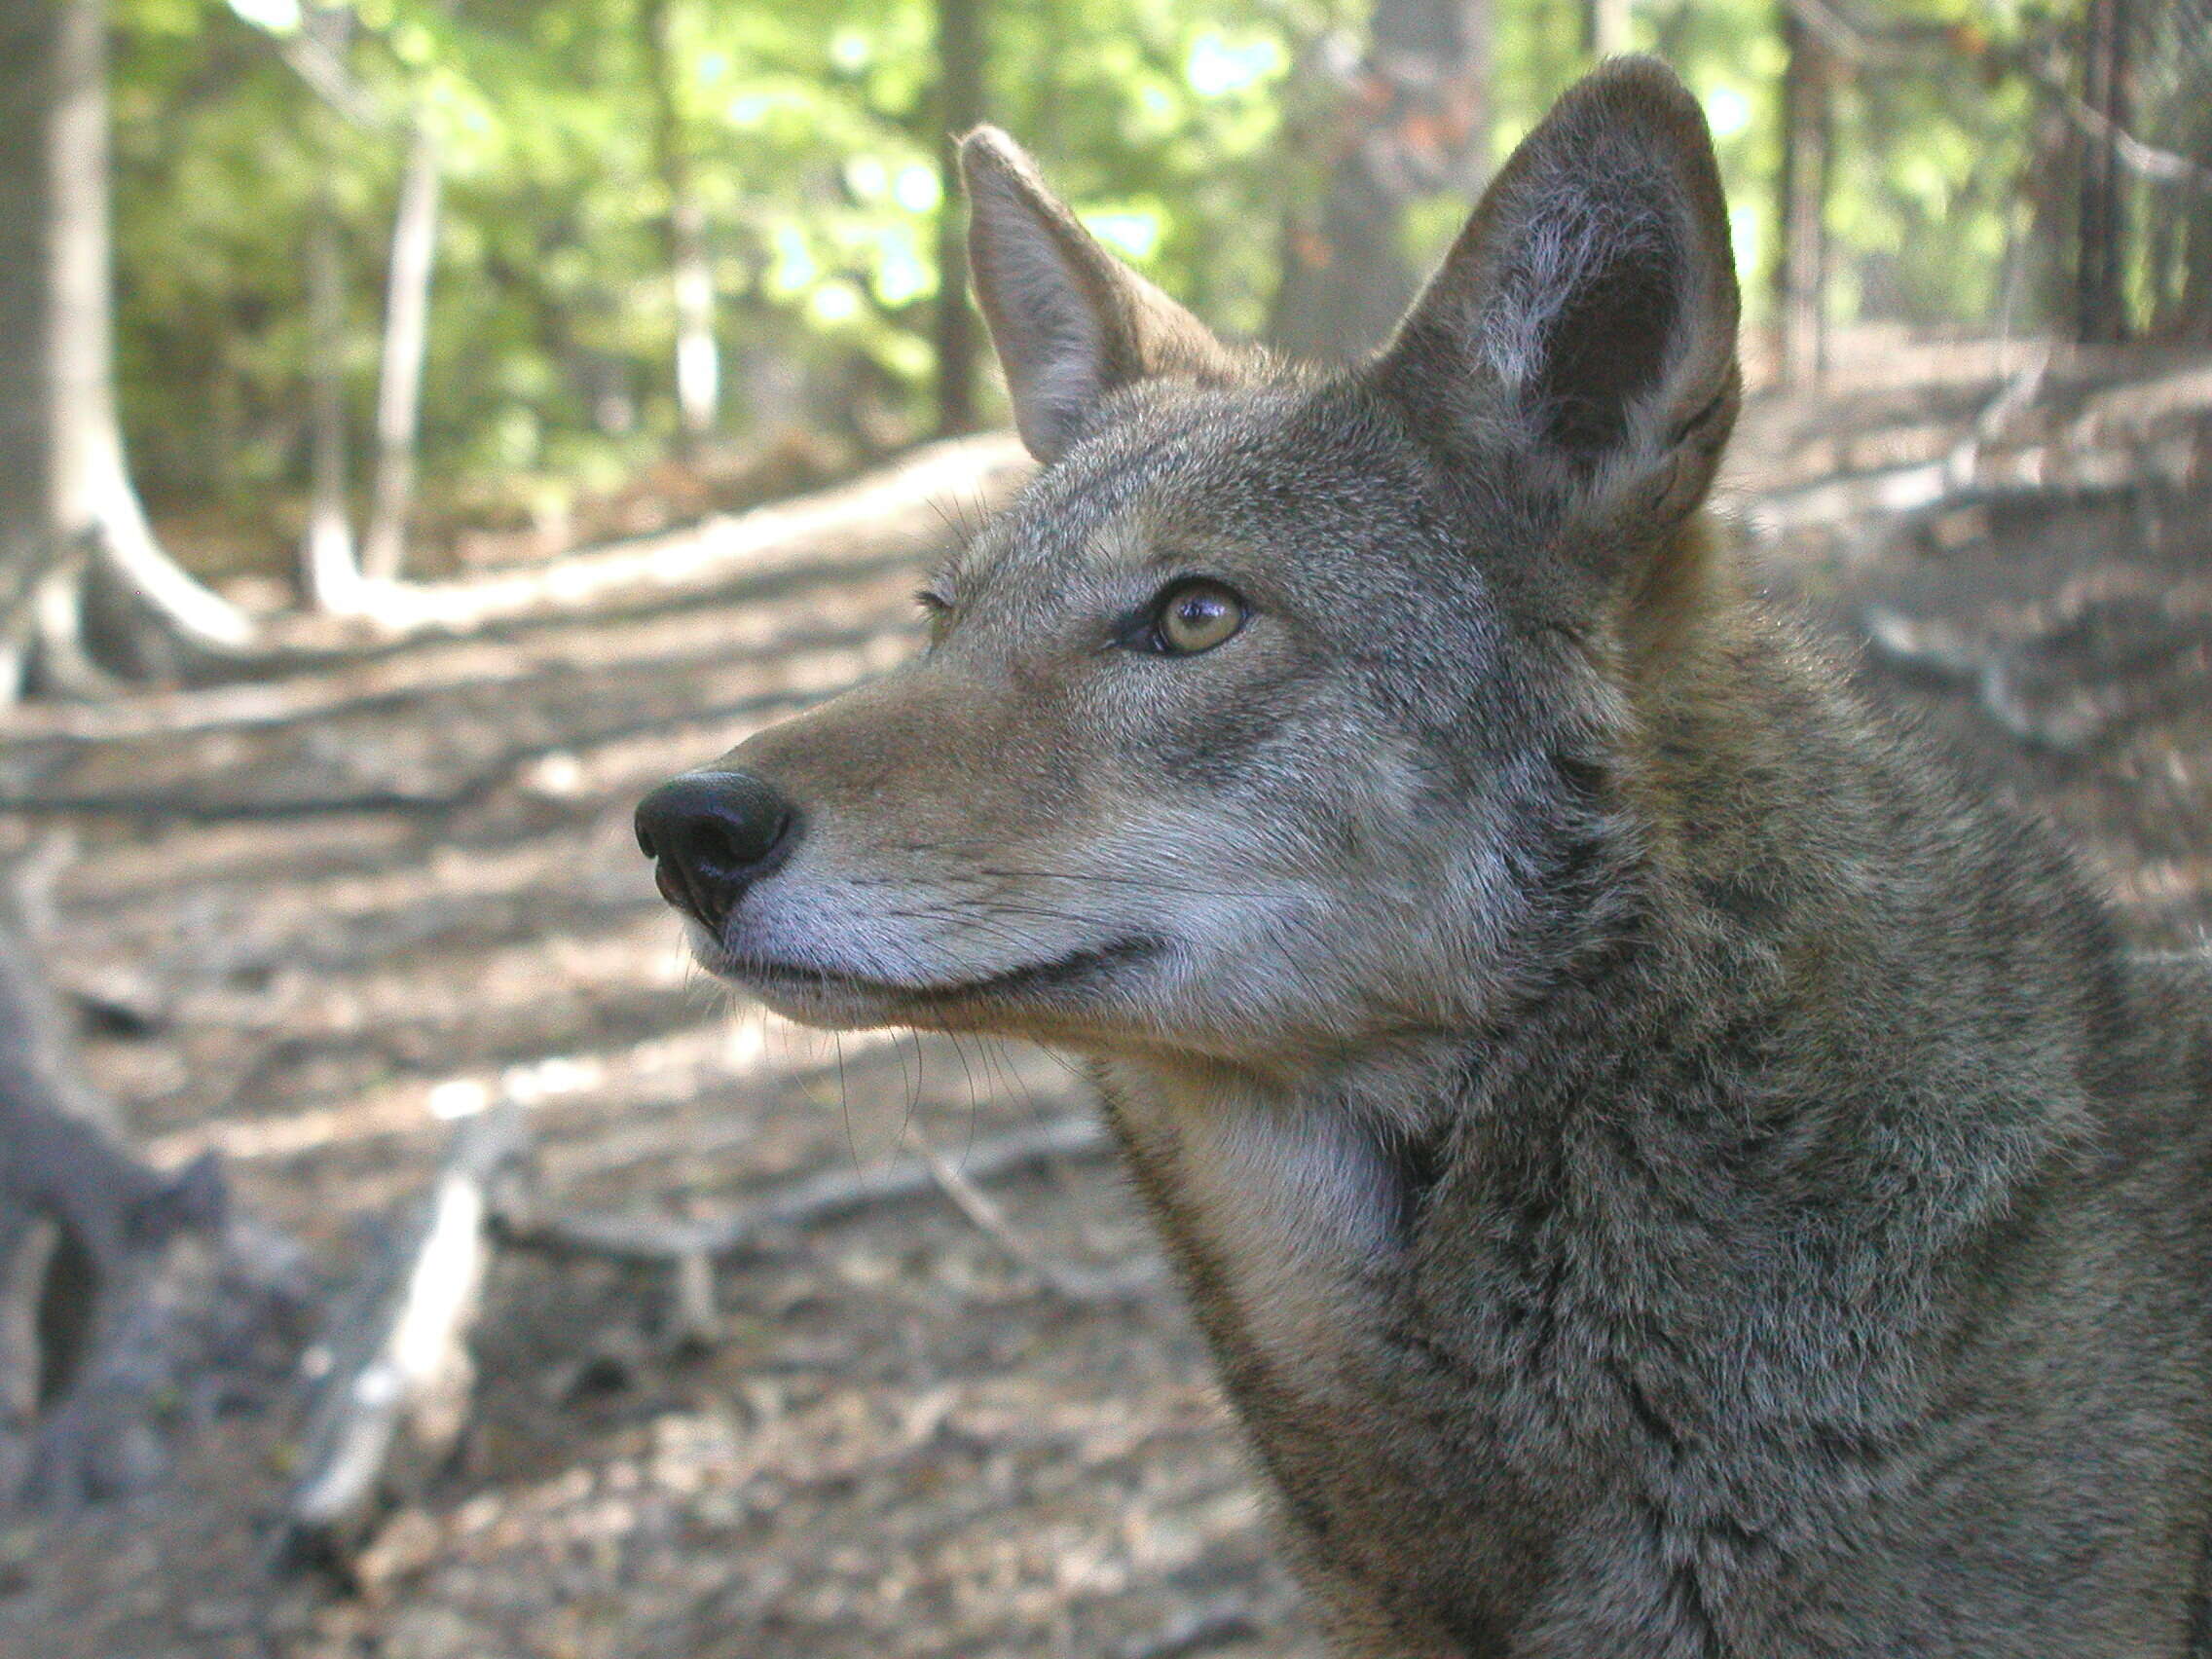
{"x": 1665, "y": 1171}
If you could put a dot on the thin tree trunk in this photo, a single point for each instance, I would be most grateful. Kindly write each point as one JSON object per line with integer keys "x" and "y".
{"x": 330, "y": 569}
{"x": 331, "y": 572}
{"x": 406, "y": 338}
{"x": 2099, "y": 303}
{"x": 960, "y": 108}
{"x": 1801, "y": 254}
{"x": 691, "y": 273}
{"x": 91, "y": 502}
{"x": 1605, "y": 29}
{"x": 27, "y": 52}
{"x": 698, "y": 358}
{"x": 1414, "y": 121}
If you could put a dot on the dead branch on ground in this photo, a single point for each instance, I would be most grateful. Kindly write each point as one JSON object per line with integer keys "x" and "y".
{"x": 1069, "y": 1284}
{"x": 395, "y": 1374}
{"x": 650, "y": 1241}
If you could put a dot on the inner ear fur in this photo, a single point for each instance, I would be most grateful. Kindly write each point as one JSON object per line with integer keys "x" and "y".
{"x": 1581, "y": 333}
{"x": 1072, "y": 324}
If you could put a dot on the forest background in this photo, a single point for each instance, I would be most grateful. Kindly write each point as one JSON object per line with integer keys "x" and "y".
{"x": 412, "y": 286}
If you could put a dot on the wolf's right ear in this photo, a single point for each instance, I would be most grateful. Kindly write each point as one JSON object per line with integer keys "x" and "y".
{"x": 1071, "y": 322}
{"x": 1580, "y": 337}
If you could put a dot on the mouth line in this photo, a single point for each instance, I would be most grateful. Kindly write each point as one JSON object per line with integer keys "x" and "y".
{"x": 1055, "y": 974}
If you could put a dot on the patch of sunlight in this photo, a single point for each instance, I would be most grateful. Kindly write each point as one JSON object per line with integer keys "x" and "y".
{"x": 834, "y": 302}
{"x": 1133, "y": 231}
{"x": 1218, "y": 64}
{"x": 1727, "y": 111}
{"x": 278, "y": 17}
{"x": 918, "y": 189}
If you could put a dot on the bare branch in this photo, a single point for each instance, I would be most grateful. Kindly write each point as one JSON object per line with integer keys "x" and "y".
{"x": 398, "y": 1374}
{"x": 649, "y": 1241}
{"x": 1073, "y": 1285}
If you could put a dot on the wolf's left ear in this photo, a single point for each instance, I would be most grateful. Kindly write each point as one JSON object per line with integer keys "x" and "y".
{"x": 1582, "y": 330}
{"x": 1071, "y": 322}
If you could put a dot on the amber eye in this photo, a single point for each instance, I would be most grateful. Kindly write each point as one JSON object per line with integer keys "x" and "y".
{"x": 1196, "y": 615}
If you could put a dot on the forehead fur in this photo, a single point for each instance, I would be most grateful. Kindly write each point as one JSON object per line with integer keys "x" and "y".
{"x": 1310, "y": 487}
{"x": 1170, "y": 462}
{"x": 1309, "y": 495}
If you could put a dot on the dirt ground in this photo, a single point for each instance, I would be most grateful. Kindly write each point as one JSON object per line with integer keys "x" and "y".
{"x": 313, "y": 943}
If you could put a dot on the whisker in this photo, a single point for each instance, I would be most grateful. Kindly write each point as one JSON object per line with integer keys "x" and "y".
{"x": 1075, "y": 1072}
{"x": 914, "y": 1090}
{"x": 974, "y": 1102}
{"x": 845, "y": 1099}
{"x": 1013, "y": 1079}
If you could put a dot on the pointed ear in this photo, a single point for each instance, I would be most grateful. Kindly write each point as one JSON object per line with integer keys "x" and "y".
{"x": 1582, "y": 330}
{"x": 1071, "y": 322}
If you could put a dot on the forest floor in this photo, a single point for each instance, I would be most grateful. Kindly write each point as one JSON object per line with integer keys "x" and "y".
{"x": 313, "y": 939}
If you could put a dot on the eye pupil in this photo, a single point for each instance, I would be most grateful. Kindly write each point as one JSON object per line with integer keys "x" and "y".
{"x": 1196, "y": 616}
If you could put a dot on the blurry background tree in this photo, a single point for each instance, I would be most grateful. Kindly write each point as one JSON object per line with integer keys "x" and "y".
{"x": 1408, "y": 119}
{"x": 489, "y": 277}
{"x": 72, "y": 527}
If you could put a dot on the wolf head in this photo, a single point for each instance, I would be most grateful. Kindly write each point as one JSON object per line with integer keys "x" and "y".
{"x": 1280, "y": 713}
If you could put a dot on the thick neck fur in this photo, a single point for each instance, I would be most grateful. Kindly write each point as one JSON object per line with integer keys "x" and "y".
{"x": 1688, "y": 1242}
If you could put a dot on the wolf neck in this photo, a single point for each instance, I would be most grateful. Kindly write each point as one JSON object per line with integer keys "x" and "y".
{"x": 1746, "y": 1070}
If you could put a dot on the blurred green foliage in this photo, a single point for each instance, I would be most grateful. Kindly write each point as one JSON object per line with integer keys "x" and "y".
{"x": 1181, "y": 128}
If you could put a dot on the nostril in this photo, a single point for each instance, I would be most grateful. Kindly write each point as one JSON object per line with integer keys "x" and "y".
{"x": 712, "y": 833}
{"x": 731, "y": 847}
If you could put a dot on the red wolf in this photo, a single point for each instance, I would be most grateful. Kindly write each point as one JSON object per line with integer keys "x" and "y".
{"x": 1663, "y": 1171}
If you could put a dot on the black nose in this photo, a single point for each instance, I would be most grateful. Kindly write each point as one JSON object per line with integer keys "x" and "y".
{"x": 712, "y": 835}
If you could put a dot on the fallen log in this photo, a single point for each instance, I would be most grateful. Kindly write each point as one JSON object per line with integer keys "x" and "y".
{"x": 769, "y": 613}
{"x": 2092, "y": 667}
{"x": 1227, "y": 1623}
{"x": 394, "y": 1371}
{"x": 902, "y": 511}
{"x": 911, "y": 504}
{"x": 360, "y": 763}
{"x": 2031, "y": 472}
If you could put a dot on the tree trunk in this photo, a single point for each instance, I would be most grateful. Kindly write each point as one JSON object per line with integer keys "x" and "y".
{"x": 1605, "y": 27}
{"x": 106, "y": 1217}
{"x": 1802, "y": 251}
{"x": 960, "y": 108}
{"x": 2099, "y": 303}
{"x": 406, "y": 338}
{"x": 27, "y": 48}
{"x": 330, "y": 570}
{"x": 72, "y": 512}
{"x": 1413, "y": 120}
{"x": 96, "y": 503}
{"x": 691, "y": 274}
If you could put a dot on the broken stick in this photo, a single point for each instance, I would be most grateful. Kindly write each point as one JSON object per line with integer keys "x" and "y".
{"x": 649, "y": 1241}
{"x": 394, "y": 1369}
{"x": 1069, "y": 1284}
